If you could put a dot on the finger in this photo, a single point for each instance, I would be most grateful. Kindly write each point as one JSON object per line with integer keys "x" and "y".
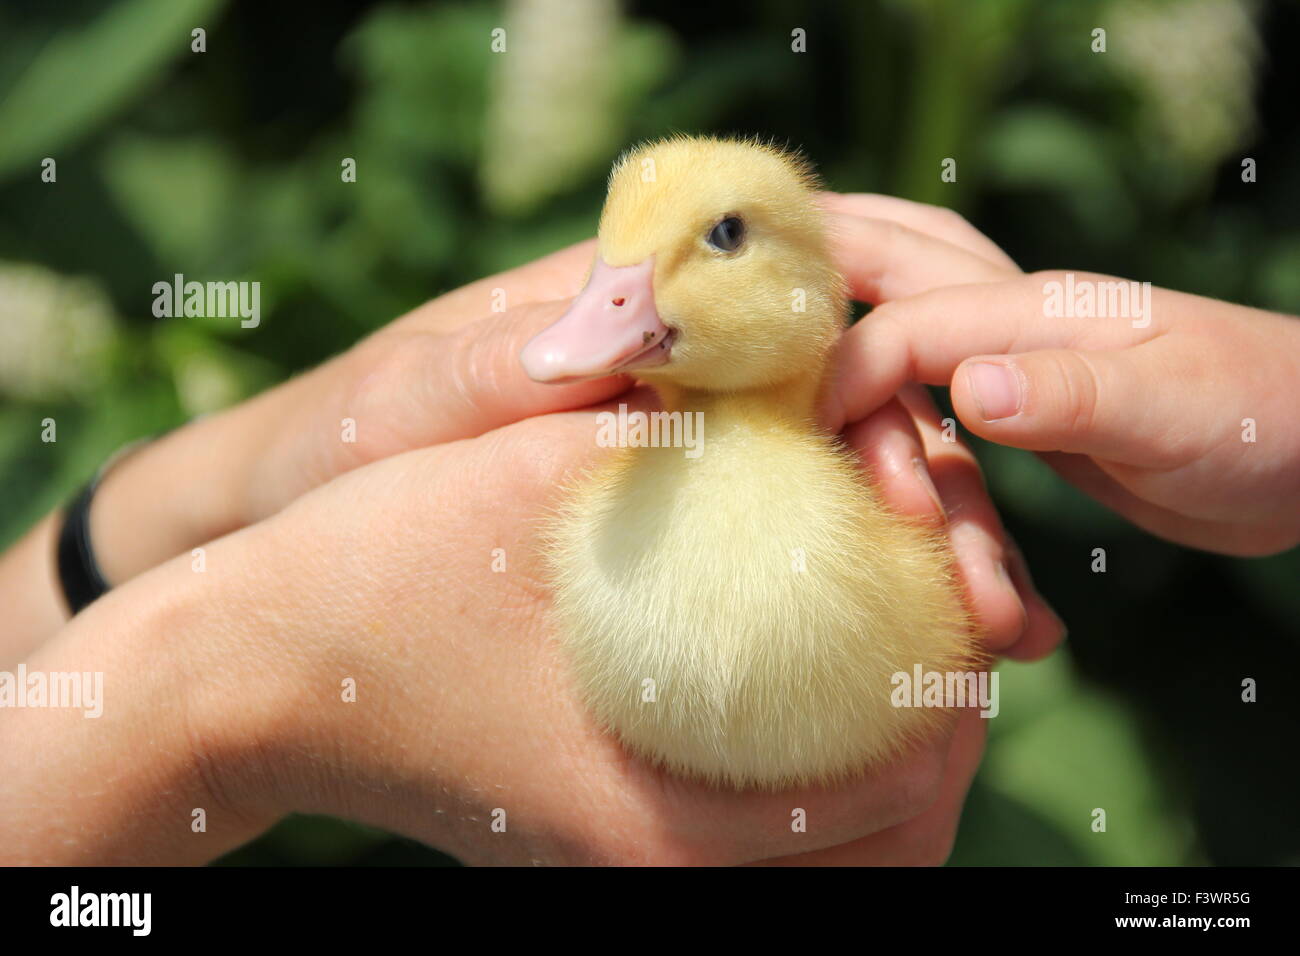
{"x": 559, "y": 275}
{"x": 1220, "y": 537}
{"x": 883, "y": 260}
{"x": 1093, "y": 403}
{"x": 891, "y": 451}
{"x": 925, "y": 337}
{"x": 1042, "y": 627}
{"x": 891, "y": 448}
{"x": 926, "y": 839}
{"x": 421, "y": 388}
{"x": 978, "y": 545}
{"x": 744, "y": 826}
{"x": 937, "y": 221}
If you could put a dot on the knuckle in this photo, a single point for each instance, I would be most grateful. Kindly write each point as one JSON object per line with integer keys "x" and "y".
{"x": 877, "y": 243}
{"x": 950, "y": 219}
{"x": 473, "y": 376}
{"x": 421, "y": 388}
{"x": 1078, "y": 391}
{"x": 892, "y": 234}
{"x": 884, "y": 317}
{"x": 372, "y": 399}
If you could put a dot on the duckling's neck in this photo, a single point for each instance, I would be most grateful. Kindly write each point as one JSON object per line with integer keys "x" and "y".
{"x": 793, "y": 402}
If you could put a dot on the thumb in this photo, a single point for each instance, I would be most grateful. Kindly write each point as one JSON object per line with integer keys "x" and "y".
{"x": 481, "y": 383}
{"x": 422, "y": 388}
{"x": 1090, "y": 403}
{"x": 404, "y": 388}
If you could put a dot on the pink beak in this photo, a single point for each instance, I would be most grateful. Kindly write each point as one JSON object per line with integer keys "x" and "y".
{"x": 610, "y": 328}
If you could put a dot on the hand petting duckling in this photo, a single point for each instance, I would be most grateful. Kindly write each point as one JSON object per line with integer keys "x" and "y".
{"x": 745, "y": 615}
{"x": 468, "y": 454}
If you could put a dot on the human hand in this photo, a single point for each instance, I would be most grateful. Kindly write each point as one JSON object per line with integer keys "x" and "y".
{"x": 463, "y": 703}
{"x": 449, "y": 370}
{"x": 890, "y": 248}
{"x": 1150, "y": 414}
{"x": 686, "y": 828}
{"x": 445, "y": 371}
{"x": 906, "y": 813}
{"x": 386, "y": 577}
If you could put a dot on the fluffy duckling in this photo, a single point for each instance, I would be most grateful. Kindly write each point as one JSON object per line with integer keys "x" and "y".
{"x": 736, "y": 616}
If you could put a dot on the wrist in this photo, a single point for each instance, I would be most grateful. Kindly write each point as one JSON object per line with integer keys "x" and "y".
{"x": 248, "y": 639}
{"x": 210, "y": 477}
{"x": 30, "y": 592}
{"x": 152, "y": 765}
{"x": 174, "y": 494}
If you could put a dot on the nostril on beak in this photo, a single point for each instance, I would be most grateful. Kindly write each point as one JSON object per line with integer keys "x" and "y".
{"x": 619, "y": 301}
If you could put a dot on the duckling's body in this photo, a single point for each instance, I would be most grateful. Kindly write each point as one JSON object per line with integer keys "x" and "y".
{"x": 739, "y": 616}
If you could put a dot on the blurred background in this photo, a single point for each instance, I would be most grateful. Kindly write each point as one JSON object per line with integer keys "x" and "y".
{"x": 226, "y": 165}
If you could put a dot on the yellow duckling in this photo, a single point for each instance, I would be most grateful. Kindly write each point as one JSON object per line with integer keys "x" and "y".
{"x": 738, "y": 614}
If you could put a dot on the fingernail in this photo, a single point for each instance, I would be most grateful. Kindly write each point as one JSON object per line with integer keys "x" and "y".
{"x": 996, "y": 389}
{"x": 923, "y": 476}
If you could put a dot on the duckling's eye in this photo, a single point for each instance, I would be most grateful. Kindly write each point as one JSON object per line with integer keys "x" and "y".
{"x": 728, "y": 234}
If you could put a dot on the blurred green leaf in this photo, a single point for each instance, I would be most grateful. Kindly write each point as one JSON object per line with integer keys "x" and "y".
{"x": 179, "y": 194}
{"x": 960, "y": 61}
{"x": 313, "y": 841}
{"x": 1279, "y": 277}
{"x": 1041, "y": 148}
{"x": 83, "y": 76}
{"x": 209, "y": 375}
{"x": 1026, "y": 692}
{"x": 424, "y": 81}
{"x": 1272, "y": 583}
{"x": 999, "y": 830}
{"x": 1022, "y": 482}
{"x": 1080, "y": 754}
{"x": 500, "y": 248}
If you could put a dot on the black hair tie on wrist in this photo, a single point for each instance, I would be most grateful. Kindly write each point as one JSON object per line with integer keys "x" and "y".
{"x": 79, "y": 575}
{"x": 79, "y": 572}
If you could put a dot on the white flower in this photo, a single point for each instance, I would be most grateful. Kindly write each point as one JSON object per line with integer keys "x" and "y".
{"x": 55, "y": 333}
{"x": 1194, "y": 63}
{"x": 552, "y": 110}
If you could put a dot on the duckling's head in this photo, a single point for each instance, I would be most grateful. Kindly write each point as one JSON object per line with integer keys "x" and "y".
{"x": 712, "y": 273}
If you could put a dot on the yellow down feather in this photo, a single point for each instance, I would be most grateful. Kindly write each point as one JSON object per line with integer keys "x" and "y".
{"x": 762, "y": 589}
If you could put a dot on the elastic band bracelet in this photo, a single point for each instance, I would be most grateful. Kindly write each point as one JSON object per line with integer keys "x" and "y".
{"x": 79, "y": 575}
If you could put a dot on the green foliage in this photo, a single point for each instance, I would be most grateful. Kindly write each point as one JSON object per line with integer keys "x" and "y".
{"x": 85, "y": 75}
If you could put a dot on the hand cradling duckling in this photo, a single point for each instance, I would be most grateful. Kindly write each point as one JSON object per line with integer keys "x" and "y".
{"x": 761, "y": 589}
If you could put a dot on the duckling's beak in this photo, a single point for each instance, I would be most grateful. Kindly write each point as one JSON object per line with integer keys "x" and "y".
{"x": 611, "y": 327}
